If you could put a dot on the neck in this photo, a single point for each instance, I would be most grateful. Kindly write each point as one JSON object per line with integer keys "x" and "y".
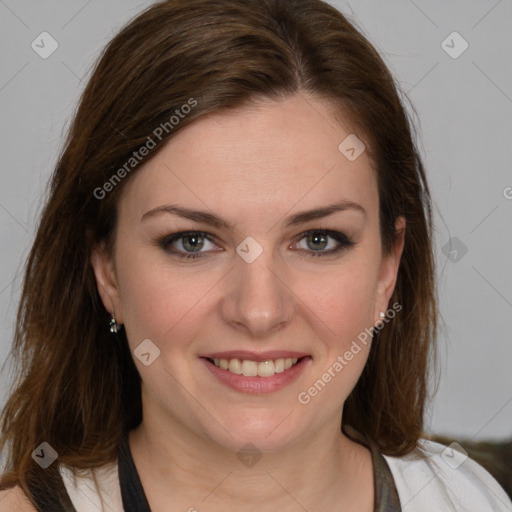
{"x": 177, "y": 466}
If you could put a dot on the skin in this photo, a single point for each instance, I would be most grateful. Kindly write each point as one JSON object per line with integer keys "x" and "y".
{"x": 253, "y": 167}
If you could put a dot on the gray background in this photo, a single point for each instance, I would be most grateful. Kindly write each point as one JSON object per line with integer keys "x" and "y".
{"x": 464, "y": 107}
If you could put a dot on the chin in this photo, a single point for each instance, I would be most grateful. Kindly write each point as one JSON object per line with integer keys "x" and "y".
{"x": 268, "y": 431}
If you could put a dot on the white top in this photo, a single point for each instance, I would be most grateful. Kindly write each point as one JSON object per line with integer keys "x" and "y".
{"x": 445, "y": 481}
{"x": 84, "y": 493}
{"x": 432, "y": 478}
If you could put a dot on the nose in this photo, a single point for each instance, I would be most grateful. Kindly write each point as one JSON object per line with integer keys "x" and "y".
{"x": 259, "y": 299}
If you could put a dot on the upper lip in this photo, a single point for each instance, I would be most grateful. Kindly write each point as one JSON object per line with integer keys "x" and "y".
{"x": 255, "y": 356}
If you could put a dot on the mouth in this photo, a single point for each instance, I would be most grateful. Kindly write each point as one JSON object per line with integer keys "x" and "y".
{"x": 256, "y": 373}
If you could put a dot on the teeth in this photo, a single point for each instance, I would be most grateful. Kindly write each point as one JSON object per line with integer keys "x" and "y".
{"x": 266, "y": 368}
{"x": 249, "y": 368}
{"x": 279, "y": 365}
{"x": 235, "y": 366}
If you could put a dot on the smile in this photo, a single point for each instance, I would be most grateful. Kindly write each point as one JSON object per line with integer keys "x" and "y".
{"x": 249, "y": 368}
{"x": 247, "y": 375}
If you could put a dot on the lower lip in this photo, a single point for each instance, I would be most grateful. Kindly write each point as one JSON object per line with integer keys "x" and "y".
{"x": 257, "y": 384}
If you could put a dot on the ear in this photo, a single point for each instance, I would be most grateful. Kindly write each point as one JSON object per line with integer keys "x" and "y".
{"x": 106, "y": 281}
{"x": 389, "y": 271}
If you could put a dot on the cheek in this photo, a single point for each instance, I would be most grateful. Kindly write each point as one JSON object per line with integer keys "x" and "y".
{"x": 343, "y": 302}
{"x": 157, "y": 300}
{"x": 342, "y": 298}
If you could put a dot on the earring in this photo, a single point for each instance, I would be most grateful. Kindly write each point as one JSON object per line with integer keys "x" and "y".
{"x": 377, "y": 327}
{"x": 382, "y": 315}
{"x": 114, "y": 326}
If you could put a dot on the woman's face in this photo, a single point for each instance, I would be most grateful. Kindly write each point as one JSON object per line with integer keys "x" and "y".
{"x": 259, "y": 289}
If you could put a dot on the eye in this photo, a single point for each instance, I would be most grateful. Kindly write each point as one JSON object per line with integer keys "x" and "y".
{"x": 191, "y": 243}
{"x": 318, "y": 239}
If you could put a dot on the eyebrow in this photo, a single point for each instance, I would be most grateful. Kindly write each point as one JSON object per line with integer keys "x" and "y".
{"x": 220, "y": 223}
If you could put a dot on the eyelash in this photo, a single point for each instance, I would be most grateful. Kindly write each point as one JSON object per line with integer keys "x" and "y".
{"x": 343, "y": 241}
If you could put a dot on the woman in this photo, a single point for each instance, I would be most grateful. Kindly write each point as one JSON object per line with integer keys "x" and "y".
{"x": 233, "y": 263}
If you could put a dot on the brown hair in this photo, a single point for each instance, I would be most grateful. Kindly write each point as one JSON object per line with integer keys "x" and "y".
{"x": 77, "y": 386}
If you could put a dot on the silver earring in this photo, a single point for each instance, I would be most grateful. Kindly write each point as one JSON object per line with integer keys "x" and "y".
{"x": 382, "y": 314}
{"x": 114, "y": 326}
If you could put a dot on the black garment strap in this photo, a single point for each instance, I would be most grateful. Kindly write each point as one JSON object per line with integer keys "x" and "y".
{"x": 386, "y": 493}
{"x": 49, "y": 494}
{"x": 132, "y": 492}
{"x": 53, "y": 497}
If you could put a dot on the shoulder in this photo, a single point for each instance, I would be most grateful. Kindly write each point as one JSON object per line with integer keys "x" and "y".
{"x": 15, "y": 500}
{"x": 433, "y": 475}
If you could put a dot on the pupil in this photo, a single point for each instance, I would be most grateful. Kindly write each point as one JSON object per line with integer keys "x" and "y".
{"x": 195, "y": 241}
{"x": 316, "y": 238}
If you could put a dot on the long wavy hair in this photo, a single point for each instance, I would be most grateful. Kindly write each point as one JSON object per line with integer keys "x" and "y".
{"x": 76, "y": 386}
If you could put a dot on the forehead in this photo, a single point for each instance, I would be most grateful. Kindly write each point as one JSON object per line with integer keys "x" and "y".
{"x": 266, "y": 157}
